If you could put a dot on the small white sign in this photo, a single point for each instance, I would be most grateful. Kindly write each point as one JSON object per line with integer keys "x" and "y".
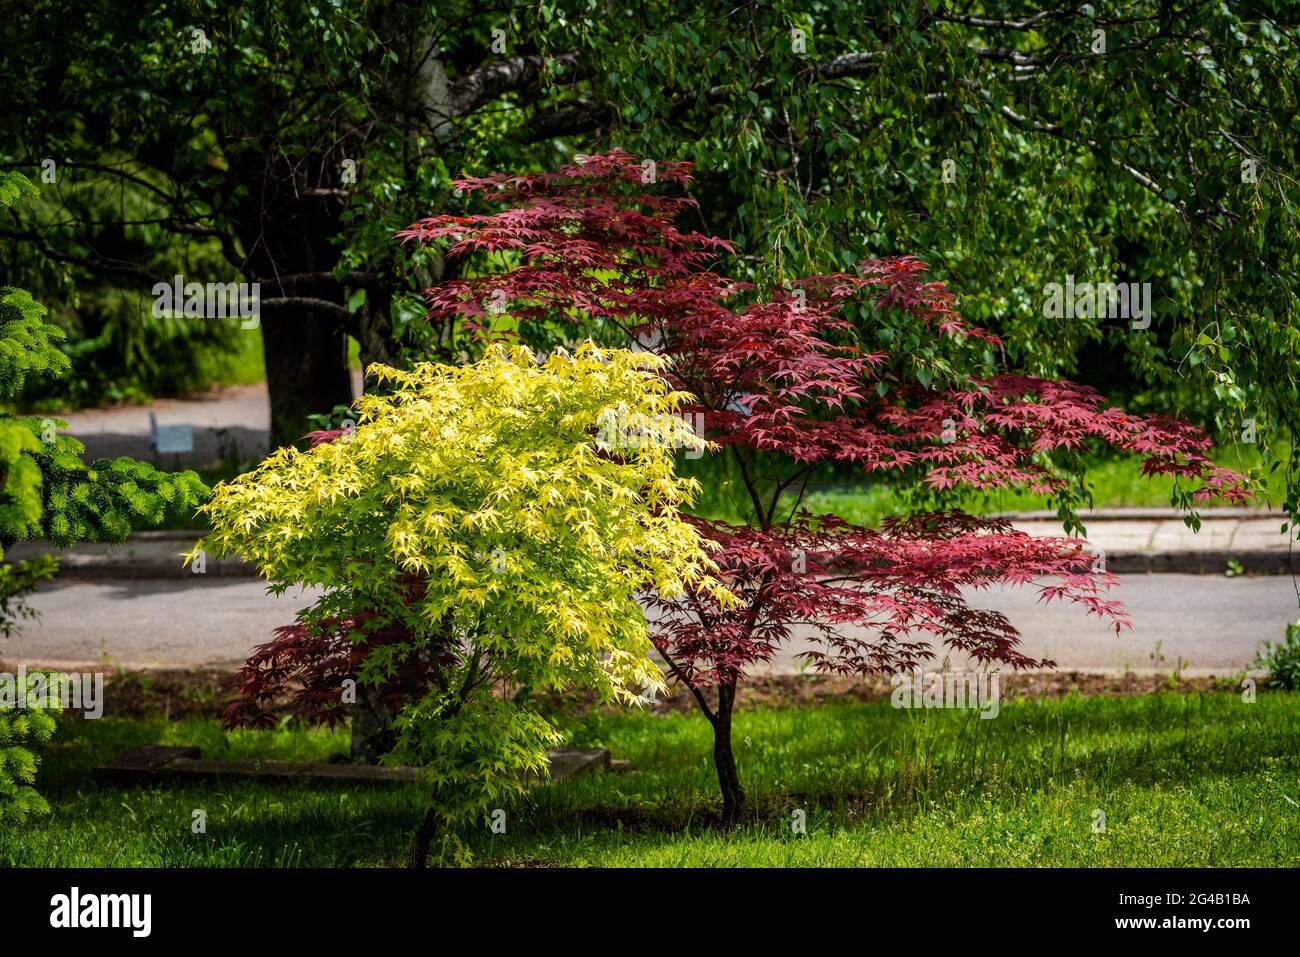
{"x": 171, "y": 438}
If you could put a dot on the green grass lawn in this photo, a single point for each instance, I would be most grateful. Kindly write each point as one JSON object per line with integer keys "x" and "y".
{"x": 1183, "y": 779}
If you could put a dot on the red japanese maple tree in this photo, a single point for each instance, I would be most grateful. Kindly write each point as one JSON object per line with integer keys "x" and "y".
{"x": 786, "y": 387}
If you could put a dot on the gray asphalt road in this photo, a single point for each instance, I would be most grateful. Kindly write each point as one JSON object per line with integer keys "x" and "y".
{"x": 150, "y": 623}
{"x": 1212, "y": 623}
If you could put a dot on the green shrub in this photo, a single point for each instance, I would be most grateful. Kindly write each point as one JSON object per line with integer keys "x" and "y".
{"x": 23, "y": 725}
{"x": 1282, "y": 660}
{"x": 48, "y": 492}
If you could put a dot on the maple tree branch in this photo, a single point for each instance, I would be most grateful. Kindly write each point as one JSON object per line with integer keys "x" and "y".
{"x": 681, "y": 676}
{"x": 759, "y": 511}
{"x": 800, "y": 474}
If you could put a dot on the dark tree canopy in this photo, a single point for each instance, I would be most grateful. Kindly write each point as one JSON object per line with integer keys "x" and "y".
{"x": 1010, "y": 146}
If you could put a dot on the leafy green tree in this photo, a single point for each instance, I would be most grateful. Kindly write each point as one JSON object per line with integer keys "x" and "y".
{"x": 297, "y": 138}
{"x": 48, "y": 492}
{"x": 1008, "y": 146}
{"x": 472, "y": 530}
{"x": 118, "y": 348}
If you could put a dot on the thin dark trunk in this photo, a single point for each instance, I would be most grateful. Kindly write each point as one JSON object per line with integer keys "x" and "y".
{"x": 724, "y": 759}
{"x": 372, "y": 726}
{"x": 423, "y": 838}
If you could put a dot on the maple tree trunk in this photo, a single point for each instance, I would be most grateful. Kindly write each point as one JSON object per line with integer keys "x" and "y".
{"x": 724, "y": 759}
{"x": 423, "y": 837}
{"x": 372, "y": 726}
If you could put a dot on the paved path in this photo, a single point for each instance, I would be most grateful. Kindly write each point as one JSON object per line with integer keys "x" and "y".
{"x": 1213, "y": 623}
{"x": 150, "y": 623}
{"x": 1163, "y": 530}
{"x": 230, "y": 422}
{"x": 243, "y": 406}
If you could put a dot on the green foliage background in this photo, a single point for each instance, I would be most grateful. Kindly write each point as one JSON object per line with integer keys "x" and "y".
{"x": 48, "y": 493}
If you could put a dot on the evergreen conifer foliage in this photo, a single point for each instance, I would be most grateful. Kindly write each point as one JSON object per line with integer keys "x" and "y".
{"x": 47, "y": 492}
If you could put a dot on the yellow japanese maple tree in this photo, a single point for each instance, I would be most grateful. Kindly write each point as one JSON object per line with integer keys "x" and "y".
{"x": 480, "y": 530}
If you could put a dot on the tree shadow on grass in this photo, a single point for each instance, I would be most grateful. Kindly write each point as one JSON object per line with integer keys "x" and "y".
{"x": 1145, "y": 754}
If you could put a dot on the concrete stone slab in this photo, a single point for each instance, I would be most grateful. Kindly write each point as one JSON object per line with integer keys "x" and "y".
{"x": 1254, "y": 536}
{"x": 1174, "y": 536}
{"x": 1108, "y": 535}
{"x": 147, "y": 759}
{"x": 567, "y": 762}
{"x": 153, "y": 762}
{"x": 1125, "y": 541}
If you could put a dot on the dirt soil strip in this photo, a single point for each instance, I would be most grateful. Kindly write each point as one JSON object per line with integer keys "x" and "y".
{"x": 173, "y": 694}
